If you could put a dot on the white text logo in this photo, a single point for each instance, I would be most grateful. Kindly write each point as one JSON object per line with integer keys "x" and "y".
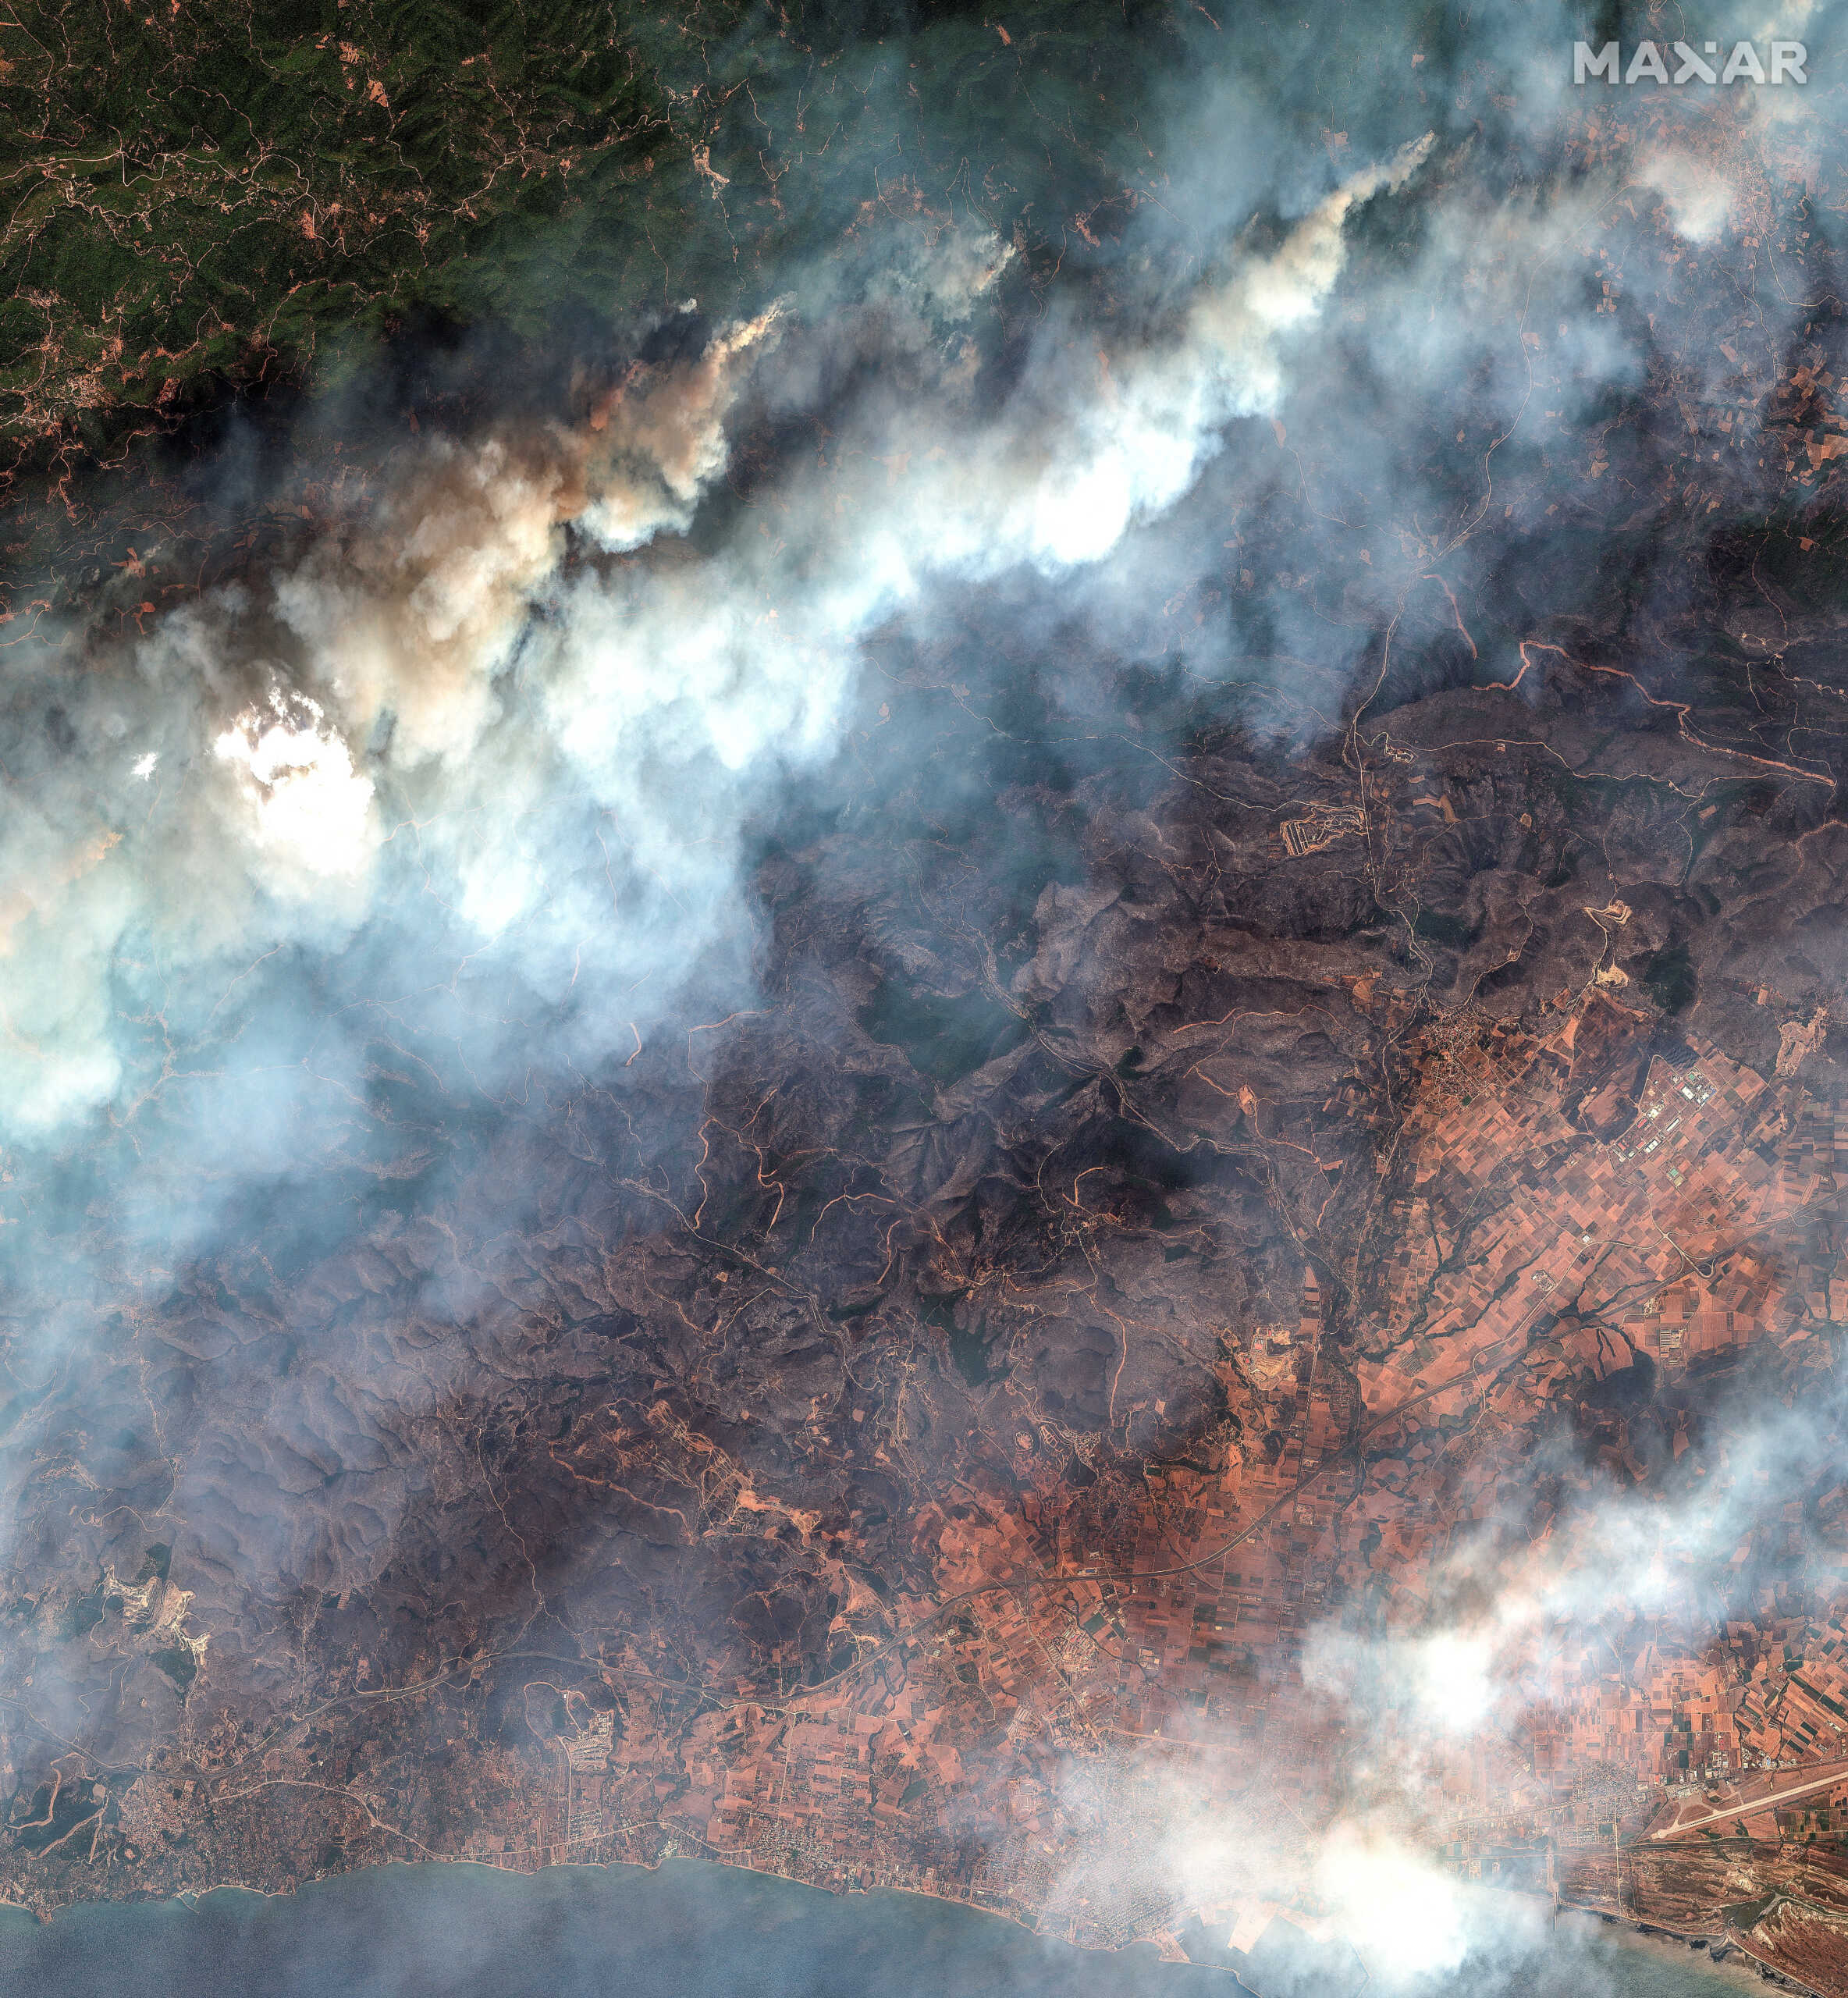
{"x": 1680, "y": 62}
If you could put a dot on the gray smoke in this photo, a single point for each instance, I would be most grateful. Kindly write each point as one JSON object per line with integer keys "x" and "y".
{"x": 474, "y": 768}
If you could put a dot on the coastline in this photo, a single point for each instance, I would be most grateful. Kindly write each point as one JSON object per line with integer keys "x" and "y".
{"x": 1723, "y": 1949}
{"x": 672, "y": 1930}
{"x": 1161, "y": 1943}
{"x": 676, "y": 1842}
{"x": 1724, "y": 1952}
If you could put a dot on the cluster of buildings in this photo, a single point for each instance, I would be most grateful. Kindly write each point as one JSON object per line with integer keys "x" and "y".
{"x": 1589, "y": 1221}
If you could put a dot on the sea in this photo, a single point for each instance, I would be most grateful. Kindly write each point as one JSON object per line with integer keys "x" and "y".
{"x": 687, "y": 1929}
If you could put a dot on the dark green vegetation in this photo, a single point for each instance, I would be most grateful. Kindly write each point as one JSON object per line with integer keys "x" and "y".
{"x": 204, "y": 203}
{"x": 226, "y": 189}
{"x": 1669, "y": 974}
{"x": 178, "y": 1662}
{"x": 945, "y": 1039}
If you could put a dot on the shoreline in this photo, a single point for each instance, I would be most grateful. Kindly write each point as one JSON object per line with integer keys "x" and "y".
{"x": 188, "y": 1896}
{"x": 1719, "y": 1949}
{"x": 1162, "y": 1942}
{"x": 609, "y": 1893}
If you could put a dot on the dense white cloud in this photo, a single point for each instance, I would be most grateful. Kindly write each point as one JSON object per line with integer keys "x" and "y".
{"x": 447, "y": 683}
{"x": 313, "y": 811}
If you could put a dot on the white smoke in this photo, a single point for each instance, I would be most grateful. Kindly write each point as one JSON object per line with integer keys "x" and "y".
{"x": 502, "y": 689}
{"x": 313, "y": 811}
{"x": 456, "y": 682}
{"x": 1698, "y": 197}
{"x": 1409, "y": 1919}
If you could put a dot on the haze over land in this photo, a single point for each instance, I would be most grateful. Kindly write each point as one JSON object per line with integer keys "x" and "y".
{"x": 942, "y": 992}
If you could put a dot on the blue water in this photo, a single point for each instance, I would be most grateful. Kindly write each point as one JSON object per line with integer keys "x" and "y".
{"x": 688, "y": 1930}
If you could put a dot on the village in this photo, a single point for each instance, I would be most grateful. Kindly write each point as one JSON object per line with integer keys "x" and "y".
{"x": 1579, "y": 1215}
